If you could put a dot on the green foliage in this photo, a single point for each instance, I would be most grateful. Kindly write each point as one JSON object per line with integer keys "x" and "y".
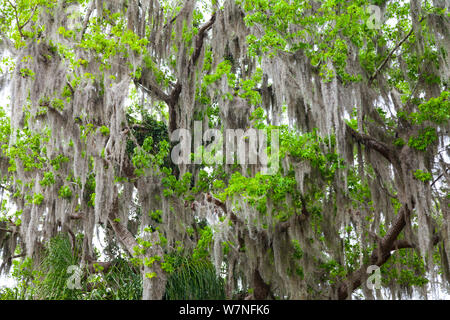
{"x": 5, "y": 129}
{"x": 281, "y": 189}
{"x": 204, "y": 244}
{"x": 24, "y": 276}
{"x": 189, "y": 277}
{"x": 104, "y": 131}
{"x": 52, "y": 283}
{"x": 89, "y": 195}
{"x": 310, "y": 147}
{"x": 358, "y": 190}
{"x": 48, "y": 179}
{"x": 327, "y": 32}
{"x": 411, "y": 271}
{"x": 258, "y": 118}
{"x": 298, "y": 252}
{"x": 25, "y": 72}
{"x": 153, "y": 147}
{"x": 399, "y": 142}
{"x": 123, "y": 281}
{"x": 65, "y": 192}
{"x": 334, "y": 270}
{"x": 156, "y": 216}
{"x": 436, "y": 110}
{"x": 425, "y": 138}
{"x": 38, "y": 198}
{"x": 423, "y": 176}
{"x": 329, "y": 45}
{"x": 177, "y": 187}
{"x": 193, "y": 279}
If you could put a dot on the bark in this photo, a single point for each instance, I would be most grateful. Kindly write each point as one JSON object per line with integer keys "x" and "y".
{"x": 261, "y": 289}
{"x": 372, "y": 143}
{"x": 153, "y": 286}
{"x": 379, "y": 256}
{"x": 171, "y": 99}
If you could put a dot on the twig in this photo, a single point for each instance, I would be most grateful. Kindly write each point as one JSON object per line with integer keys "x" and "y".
{"x": 19, "y": 27}
{"x": 440, "y": 176}
{"x": 17, "y": 19}
{"x": 86, "y": 20}
{"x": 391, "y": 53}
{"x": 31, "y": 16}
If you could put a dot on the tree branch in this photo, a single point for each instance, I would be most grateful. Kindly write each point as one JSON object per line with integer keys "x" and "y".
{"x": 216, "y": 202}
{"x": 380, "y": 255}
{"x": 439, "y": 177}
{"x": 98, "y": 266}
{"x": 148, "y": 85}
{"x": 381, "y": 66}
{"x": 31, "y": 16}
{"x": 386, "y": 151}
{"x": 200, "y": 38}
{"x": 86, "y": 20}
{"x": 77, "y": 216}
{"x": 122, "y": 233}
{"x": 152, "y": 89}
{"x": 17, "y": 18}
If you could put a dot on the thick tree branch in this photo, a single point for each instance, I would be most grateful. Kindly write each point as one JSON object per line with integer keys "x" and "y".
{"x": 98, "y": 266}
{"x": 149, "y": 86}
{"x": 122, "y": 233}
{"x": 370, "y": 142}
{"x": 174, "y": 96}
{"x": 223, "y": 206}
{"x": 77, "y": 216}
{"x": 261, "y": 289}
{"x": 380, "y": 255}
{"x": 200, "y": 39}
{"x": 152, "y": 89}
{"x": 153, "y": 288}
{"x": 402, "y": 244}
{"x": 405, "y": 244}
{"x": 216, "y": 202}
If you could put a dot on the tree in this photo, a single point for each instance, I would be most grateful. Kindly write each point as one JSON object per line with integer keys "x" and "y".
{"x": 355, "y": 93}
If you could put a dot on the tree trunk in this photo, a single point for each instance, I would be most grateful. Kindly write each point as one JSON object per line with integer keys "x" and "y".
{"x": 153, "y": 277}
{"x": 261, "y": 289}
